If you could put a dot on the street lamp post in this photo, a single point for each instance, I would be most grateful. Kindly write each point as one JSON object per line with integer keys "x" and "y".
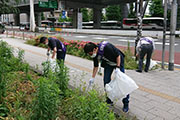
{"x": 172, "y": 34}
{"x": 164, "y": 32}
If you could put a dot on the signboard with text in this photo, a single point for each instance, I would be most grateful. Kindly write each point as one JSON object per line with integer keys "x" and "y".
{"x": 49, "y": 4}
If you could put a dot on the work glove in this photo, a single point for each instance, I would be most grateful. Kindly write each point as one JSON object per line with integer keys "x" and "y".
{"x": 47, "y": 53}
{"x": 116, "y": 70}
{"x": 91, "y": 81}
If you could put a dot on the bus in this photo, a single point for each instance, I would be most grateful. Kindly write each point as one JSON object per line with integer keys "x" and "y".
{"x": 110, "y": 24}
{"x": 148, "y": 23}
{"x": 104, "y": 24}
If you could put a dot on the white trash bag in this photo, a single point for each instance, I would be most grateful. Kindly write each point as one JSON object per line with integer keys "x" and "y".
{"x": 152, "y": 63}
{"x": 51, "y": 64}
{"x": 120, "y": 86}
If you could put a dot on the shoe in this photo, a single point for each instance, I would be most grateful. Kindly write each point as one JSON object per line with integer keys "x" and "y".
{"x": 125, "y": 108}
{"x": 145, "y": 70}
{"x": 108, "y": 101}
{"x": 140, "y": 71}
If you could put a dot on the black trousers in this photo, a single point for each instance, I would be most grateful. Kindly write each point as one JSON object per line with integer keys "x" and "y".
{"x": 146, "y": 49}
{"x": 61, "y": 55}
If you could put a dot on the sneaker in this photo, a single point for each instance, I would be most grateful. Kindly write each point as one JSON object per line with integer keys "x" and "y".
{"x": 140, "y": 71}
{"x": 108, "y": 101}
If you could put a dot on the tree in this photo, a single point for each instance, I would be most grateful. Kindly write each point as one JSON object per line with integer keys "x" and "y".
{"x": 113, "y": 12}
{"x": 85, "y": 14}
{"x": 156, "y": 9}
{"x": 6, "y": 7}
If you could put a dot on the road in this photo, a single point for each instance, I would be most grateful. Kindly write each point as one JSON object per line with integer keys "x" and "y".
{"x": 118, "y": 40}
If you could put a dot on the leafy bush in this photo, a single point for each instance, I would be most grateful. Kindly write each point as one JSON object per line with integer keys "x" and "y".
{"x": 45, "y": 105}
{"x": 86, "y": 107}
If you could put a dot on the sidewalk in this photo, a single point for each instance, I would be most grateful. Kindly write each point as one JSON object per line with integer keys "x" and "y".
{"x": 158, "y": 96}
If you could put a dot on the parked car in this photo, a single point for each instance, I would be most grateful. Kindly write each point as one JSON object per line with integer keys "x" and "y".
{"x": 24, "y": 26}
{"x": 2, "y": 28}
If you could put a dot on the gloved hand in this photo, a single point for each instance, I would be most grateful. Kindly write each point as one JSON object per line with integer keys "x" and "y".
{"x": 91, "y": 81}
{"x": 47, "y": 53}
{"x": 116, "y": 70}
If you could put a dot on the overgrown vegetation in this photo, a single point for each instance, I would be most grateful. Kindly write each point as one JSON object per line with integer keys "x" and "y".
{"x": 26, "y": 96}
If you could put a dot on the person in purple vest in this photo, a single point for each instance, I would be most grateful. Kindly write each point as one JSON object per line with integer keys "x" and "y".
{"x": 56, "y": 46}
{"x": 145, "y": 46}
{"x": 110, "y": 58}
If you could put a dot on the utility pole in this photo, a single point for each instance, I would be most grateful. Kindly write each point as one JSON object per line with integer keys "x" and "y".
{"x": 172, "y": 34}
{"x": 164, "y": 33}
{"x": 139, "y": 23}
{"x": 32, "y": 18}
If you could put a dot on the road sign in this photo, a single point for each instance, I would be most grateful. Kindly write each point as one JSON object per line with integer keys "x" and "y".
{"x": 52, "y": 4}
{"x": 49, "y": 4}
{"x": 43, "y": 4}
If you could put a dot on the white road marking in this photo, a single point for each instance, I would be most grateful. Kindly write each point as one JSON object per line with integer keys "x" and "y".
{"x": 81, "y": 36}
{"x": 100, "y": 38}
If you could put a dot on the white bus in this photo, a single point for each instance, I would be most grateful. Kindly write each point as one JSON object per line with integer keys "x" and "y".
{"x": 104, "y": 24}
{"x": 148, "y": 23}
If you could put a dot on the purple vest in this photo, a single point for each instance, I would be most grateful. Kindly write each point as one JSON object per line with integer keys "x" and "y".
{"x": 101, "y": 48}
{"x": 147, "y": 40}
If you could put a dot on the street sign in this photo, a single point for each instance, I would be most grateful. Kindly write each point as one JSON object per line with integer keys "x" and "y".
{"x": 63, "y": 14}
{"x": 43, "y": 4}
{"x": 49, "y": 4}
{"x": 52, "y": 4}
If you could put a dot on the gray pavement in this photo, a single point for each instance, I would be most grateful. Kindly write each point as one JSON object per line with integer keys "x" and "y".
{"x": 158, "y": 96}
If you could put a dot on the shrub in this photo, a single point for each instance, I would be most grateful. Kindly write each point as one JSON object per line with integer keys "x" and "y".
{"x": 86, "y": 107}
{"x": 45, "y": 106}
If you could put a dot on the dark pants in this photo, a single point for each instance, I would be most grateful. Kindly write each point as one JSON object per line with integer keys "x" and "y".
{"x": 61, "y": 55}
{"x": 107, "y": 78}
{"x": 146, "y": 49}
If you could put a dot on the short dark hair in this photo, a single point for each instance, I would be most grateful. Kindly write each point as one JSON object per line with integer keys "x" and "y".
{"x": 42, "y": 39}
{"x": 89, "y": 47}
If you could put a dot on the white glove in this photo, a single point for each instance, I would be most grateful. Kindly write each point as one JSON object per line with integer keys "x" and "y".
{"x": 91, "y": 81}
{"x": 116, "y": 70}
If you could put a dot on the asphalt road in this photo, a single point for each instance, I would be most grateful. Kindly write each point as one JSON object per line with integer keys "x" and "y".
{"x": 118, "y": 40}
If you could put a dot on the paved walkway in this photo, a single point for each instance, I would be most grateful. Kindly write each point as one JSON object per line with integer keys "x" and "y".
{"x": 158, "y": 96}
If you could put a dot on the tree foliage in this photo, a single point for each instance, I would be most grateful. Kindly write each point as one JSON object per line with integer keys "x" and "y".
{"x": 85, "y": 14}
{"x": 113, "y": 12}
{"x": 156, "y": 9}
{"x": 7, "y": 6}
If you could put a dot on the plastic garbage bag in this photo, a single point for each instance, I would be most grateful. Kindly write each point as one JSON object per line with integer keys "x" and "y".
{"x": 51, "y": 64}
{"x": 152, "y": 64}
{"x": 120, "y": 86}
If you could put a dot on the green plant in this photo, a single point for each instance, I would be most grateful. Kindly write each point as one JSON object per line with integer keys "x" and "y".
{"x": 86, "y": 106}
{"x": 130, "y": 62}
{"x": 45, "y": 105}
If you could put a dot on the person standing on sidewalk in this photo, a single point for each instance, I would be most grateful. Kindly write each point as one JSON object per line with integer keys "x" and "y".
{"x": 110, "y": 58}
{"x": 145, "y": 46}
{"x": 56, "y": 46}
